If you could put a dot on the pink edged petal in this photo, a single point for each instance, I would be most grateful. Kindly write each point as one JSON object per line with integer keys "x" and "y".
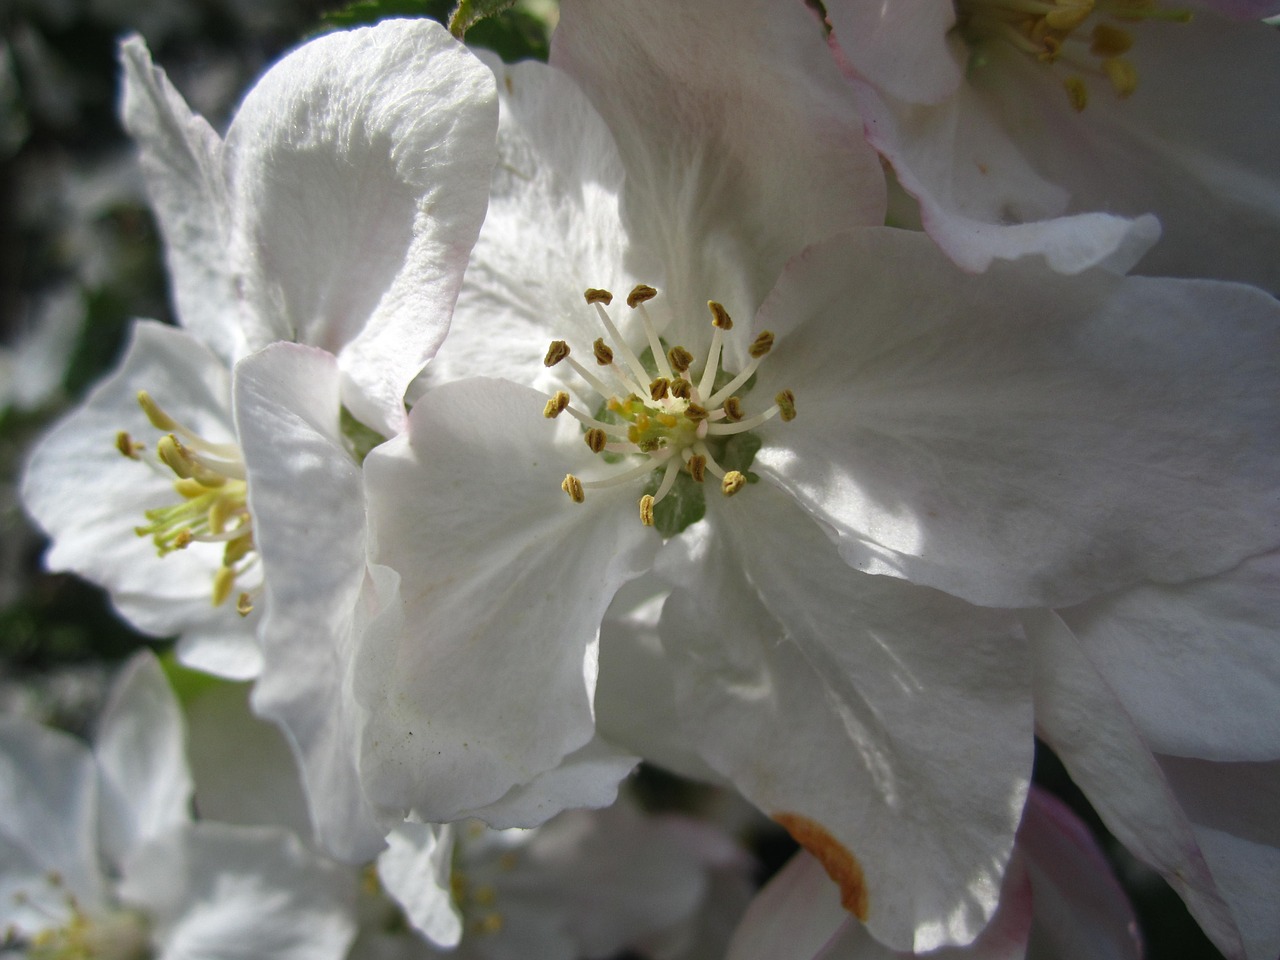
{"x": 307, "y": 499}
{"x": 1080, "y": 908}
{"x": 181, "y": 159}
{"x": 1232, "y": 807}
{"x": 214, "y": 890}
{"x": 482, "y": 676}
{"x": 1019, "y": 437}
{"x": 797, "y": 914}
{"x": 720, "y": 109}
{"x": 1195, "y": 664}
{"x": 887, "y": 726}
{"x": 902, "y": 47}
{"x": 553, "y": 228}
{"x": 587, "y": 778}
{"x": 359, "y": 170}
{"x": 1078, "y": 715}
{"x": 89, "y": 499}
{"x": 141, "y": 753}
{"x": 981, "y": 197}
{"x": 48, "y": 818}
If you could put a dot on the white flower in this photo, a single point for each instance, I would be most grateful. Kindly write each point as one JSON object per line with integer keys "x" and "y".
{"x": 100, "y": 857}
{"x": 338, "y": 212}
{"x": 1061, "y": 128}
{"x": 1011, "y": 440}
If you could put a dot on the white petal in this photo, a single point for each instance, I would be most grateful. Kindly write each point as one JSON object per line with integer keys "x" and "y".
{"x": 89, "y": 498}
{"x": 797, "y": 914}
{"x": 140, "y": 748}
{"x": 181, "y": 158}
{"x": 306, "y": 495}
{"x": 720, "y": 109}
{"x": 482, "y": 677}
{"x": 213, "y": 890}
{"x": 1021, "y": 437}
{"x": 903, "y": 47}
{"x": 359, "y": 169}
{"x": 49, "y": 810}
{"x": 416, "y": 869}
{"x": 887, "y": 726}
{"x": 1195, "y": 665}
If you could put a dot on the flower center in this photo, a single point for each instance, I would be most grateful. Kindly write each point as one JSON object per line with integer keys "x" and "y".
{"x": 1082, "y": 35}
{"x": 209, "y": 479}
{"x": 105, "y": 935}
{"x": 661, "y": 415}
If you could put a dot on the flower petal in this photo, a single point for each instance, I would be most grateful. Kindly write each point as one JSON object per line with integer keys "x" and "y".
{"x": 307, "y": 499}
{"x": 181, "y": 159}
{"x": 416, "y": 869}
{"x": 482, "y": 677}
{"x": 140, "y": 748}
{"x": 887, "y": 726}
{"x": 359, "y": 168}
{"x": 902, "y": 47}
{"x": 1022, "y": 438}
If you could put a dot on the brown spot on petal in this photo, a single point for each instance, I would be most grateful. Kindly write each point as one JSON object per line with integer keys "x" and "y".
{"x": 840, "y": 864}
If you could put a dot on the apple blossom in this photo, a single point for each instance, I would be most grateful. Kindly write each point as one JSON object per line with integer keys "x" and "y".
{"x": 99, "y": 856}
{"x": 1066, "y": 129}
{"x": 1011, "y": 440}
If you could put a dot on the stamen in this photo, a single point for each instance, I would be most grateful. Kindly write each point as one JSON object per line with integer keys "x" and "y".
{"x": 556, "y": 405}
{"x": 128, "y": 446}
{"x": 1123, "y": 76}
{"x": 244, "y": 604}
{"x": 555, "y": 353}
{"x": 596, "y": 439}
{"x": 573, "y": 487}
{"x": 668, "y": 479}
{"x": 637, "y": 368}
{"x": 659, "y": 388}
{"x": 697, "y": 465}
{"x": 680, "y": 359}
{"x": 682, "y": 389}
{"x": 720, "y": 318}
{"x": 733, "y": 409}
{"x": 1077, "y": 93}
{"x": 786, "y": 401}
{"x": 163, "y": 421}
{"x": 636, "y": 300}
{"x": 640, "y": 293}
{"x": 604, "y": 356}
{"x": 595, "y": 295}
{"x": 733, "y": 481}
{"x": 223, "y": 581}
{"x": 646, "y": 510}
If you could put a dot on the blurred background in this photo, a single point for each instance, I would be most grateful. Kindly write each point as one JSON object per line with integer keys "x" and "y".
{"x": 80, "y": 259}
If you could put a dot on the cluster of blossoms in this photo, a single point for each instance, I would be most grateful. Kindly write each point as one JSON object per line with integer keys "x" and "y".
{"x": 528, "y": 421}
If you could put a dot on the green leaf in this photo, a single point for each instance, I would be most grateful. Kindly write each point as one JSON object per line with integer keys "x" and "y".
{"x": 360, "y": 439}
{"x": 364, "y": 12}
{"x": 739, "y": 452}
{"x": 188, "y": 685}
{"x": 470, "y": 12}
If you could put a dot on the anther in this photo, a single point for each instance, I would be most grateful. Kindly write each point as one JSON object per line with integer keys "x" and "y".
{"x": 719, "y": 315}
{"x": 733, "y": 409}
{"x": 733, "y": 481}
{"x": 244, "y": 605}
{"x": 556, "y": 405}
{"x": 1109, "y": 41}
{"x": 695, "y": 412}
{"x": 659, "y": 388}
{"x": 596, "y": 439}
{"x": 697, "y": 467}
{"x": 128, "y": 446}
{"x": 680, "y": 358}
{"x": 786, "y": 401}
{"x": 681, "y": 388}
{"x": 573, "y": 487}
{"x": 646, "y": 510}
{"x": 639, "y": 294}
{"x": 761, "y": 345}
{"x": 1123, "y": 76}
{"x": 593, "y": 295}
{"x": 159, "y": 419}
{"x": 555, "y": 353}
{"x": 604, "y": 356}
{"x": 1077, "y": 93}
{"x": 223, "y": 581}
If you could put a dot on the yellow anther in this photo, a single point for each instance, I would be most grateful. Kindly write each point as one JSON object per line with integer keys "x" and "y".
{"x": 646, "y": 510}
{"x": 697, "y": 467}
{"x": 489, "y": 924}
{"x": 556, "y": 405}
{"x": 573, "y": 487}
{"x": 680, "y": 359}
{"x": 244, "y": 604}
{"x": 719, "y": 315}
{"x": 695, "y": 412}
{"x": 761, "y": 345}
{"x": 596, "y": 439}
{"x": 223, "y": 581}
{"x": 733, "y": 481}
{"x": 598, "y": 296}
{"x": 1077, "y": 92}
{"x": 640, "y": 293}
{"x": 128, "y": 446}
{"x": 681, "y": 388}
{"x": 190, "y": 489}
{"x": 668, "y": 420}
{"x": 604, "y": 355}
{"x": 220, "y": 512}
{"x": 786, "y": 401}
{"x": 1069, "y": 15}
{"x": 237, "y": 549}
{"x": 1109, "y": 41}
{"x": 159, "y": 419}
{"x": 659, "y": 388}
{"x": 555, "y": 353}
{"x": 182, "y": 539}
{"x": 733, "y": 409}
{"x": 484, "y": 895}
{"x": 1123, "y": 76}
{"x": 175, "y": 456}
